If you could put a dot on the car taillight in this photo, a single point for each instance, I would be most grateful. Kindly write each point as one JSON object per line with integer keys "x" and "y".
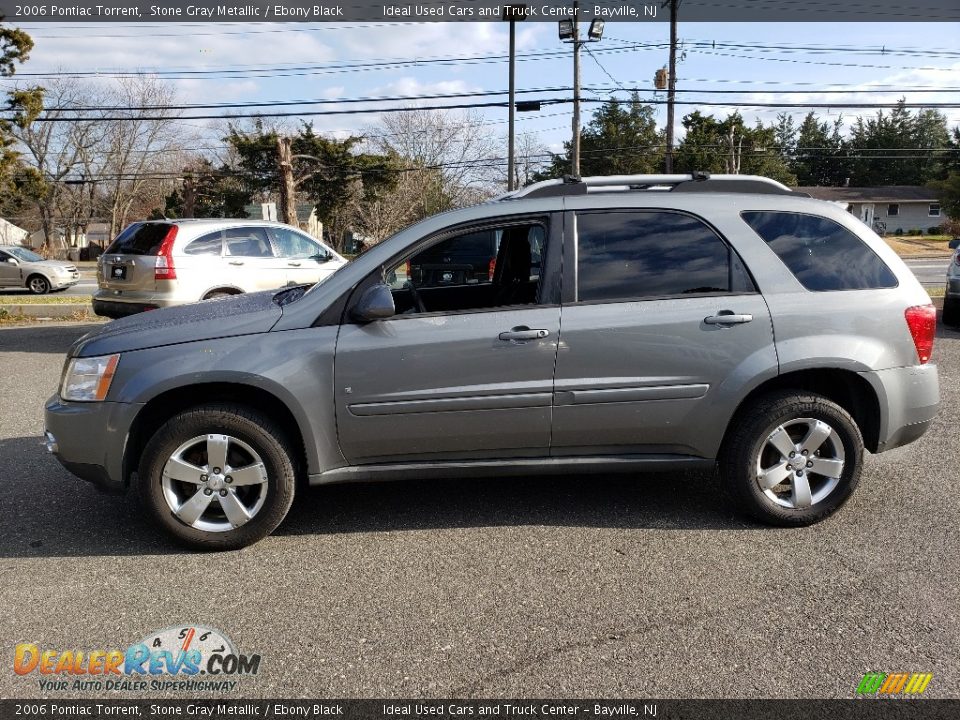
{"x": 922, "y": 321}
{"x": 164, "y": 268}
{"x": 492, "y": 268}
{"x": 956, "y": 258}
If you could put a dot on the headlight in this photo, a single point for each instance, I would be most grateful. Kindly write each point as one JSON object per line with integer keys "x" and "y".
{"x": 88, "y": 379}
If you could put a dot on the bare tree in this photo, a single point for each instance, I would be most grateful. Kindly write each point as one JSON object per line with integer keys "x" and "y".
{"x": 389, "y": 211}
{"x": 142, "y": 154}
{"x": 56, "y": 149}
{"x": 449, "y": 154}
{"x": 532, "y": 156}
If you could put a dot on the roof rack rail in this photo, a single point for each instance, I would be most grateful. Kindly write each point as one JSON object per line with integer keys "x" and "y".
{"x": 687, "y": 182}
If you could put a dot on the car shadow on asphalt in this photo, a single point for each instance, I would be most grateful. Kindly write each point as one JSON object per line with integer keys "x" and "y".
{"x": 53, "y": 514}
{"x": 55, "y": 339}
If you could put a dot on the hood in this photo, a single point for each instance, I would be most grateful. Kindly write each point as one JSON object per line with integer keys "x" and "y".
{"x": 224, "y": 317}
{"x": 51, "y": 264}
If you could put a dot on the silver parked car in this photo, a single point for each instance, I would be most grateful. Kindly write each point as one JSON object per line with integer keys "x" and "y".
{"x": 626, "y": 324}
{"x": 23, "y": 268}
{"x": 163, "y": 263}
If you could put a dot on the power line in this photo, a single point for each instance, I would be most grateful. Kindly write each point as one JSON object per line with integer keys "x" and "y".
{"x": 500, "y": 104}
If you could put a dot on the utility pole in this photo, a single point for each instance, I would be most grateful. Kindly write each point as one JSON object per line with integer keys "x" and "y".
{"x": 512, "y": 13}
{"x": 570, "y": 32}
{"x": 575, "y": 147}
{"x": 671, "y": 85}
{"x": 288, "y": 188}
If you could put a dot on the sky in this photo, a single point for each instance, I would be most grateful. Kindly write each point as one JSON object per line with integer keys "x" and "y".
{"x": 916, "y": 60}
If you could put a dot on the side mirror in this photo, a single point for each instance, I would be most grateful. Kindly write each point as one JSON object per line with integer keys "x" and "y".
{"x": 322, "y": 258}
{"x": 954, "y": 244}
{"x": 13, "y": 261}
{"x": 376, "y": 303}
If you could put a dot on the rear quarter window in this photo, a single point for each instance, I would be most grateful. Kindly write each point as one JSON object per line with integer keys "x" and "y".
{"x": 142, "y": 239}
{"x": 821, "y": 253}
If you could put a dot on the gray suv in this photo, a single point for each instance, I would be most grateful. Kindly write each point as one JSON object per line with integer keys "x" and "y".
{"x": 630, "y": 323}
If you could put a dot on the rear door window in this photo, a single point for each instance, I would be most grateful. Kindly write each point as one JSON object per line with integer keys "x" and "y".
{"x": 140, "y": 239}
{"x": 821, "y": 253}
{"x": 209, "y": 244}
{"x": 629, "y": 255}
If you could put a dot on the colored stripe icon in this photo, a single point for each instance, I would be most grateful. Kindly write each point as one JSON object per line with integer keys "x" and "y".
{"x": 894, "y": 683}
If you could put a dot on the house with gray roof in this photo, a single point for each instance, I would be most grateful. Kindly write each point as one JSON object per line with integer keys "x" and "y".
{"x": 886, "y": 209}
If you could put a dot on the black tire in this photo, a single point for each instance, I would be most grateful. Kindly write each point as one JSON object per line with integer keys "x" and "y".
{"x": 748, "y": 436}
{"x": 38, "y": 285}
{"x": 951, "y": 312}
{"x": 259, "y": 433}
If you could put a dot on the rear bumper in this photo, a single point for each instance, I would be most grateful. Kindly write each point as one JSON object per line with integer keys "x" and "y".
{"x": 89, "y": 439}
{"x": 909, "y": 401}
{"x": 953, "y": 286}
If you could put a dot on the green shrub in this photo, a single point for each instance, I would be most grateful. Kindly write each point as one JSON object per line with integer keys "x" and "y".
{"x": 935, "y": 230}
{"x": 898, "y": 231}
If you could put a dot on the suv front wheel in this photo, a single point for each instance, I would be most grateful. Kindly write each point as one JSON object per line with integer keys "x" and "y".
{"x": 793, "y": 458}
{"x": 218, "y": 477}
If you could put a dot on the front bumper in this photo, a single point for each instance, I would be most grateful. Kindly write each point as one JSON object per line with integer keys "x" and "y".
{"x": 911, "y": 396}
{"x": 89, "y": 439}
{"x": 61, "y": 282}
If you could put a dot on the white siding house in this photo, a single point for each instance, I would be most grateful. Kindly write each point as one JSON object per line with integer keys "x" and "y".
{"x": 10, "y": 234}
{"x": 887, "y": 209}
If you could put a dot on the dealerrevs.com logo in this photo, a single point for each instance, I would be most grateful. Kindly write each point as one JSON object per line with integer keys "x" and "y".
{"x": 189, "y": 658}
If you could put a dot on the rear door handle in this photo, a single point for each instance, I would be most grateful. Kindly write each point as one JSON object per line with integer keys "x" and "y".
{"x": 293, "y": 264}
{"x": 728, "y": 317}
{"x": 522, "y": 332}
{"x": 236, "y": 262}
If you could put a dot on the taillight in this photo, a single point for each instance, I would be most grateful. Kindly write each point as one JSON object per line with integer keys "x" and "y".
{"x": 922, "y": 321}
{"x": 956, "y": 258}
{"x": 492, "y": 268}
{"x": 164, "y": 268}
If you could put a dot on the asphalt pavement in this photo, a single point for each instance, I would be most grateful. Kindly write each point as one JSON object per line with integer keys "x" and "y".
{"x": 929, "y": 271}
{"x": 611, "y": 586}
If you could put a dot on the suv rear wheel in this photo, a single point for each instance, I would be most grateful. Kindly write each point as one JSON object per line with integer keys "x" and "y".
{"x": 793, "y": 458}
{"x": 218, "y": 477}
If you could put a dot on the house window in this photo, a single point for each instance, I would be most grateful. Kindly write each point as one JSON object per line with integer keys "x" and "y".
{"x": 893, "y": 209}
{"x": 934, "y": 210}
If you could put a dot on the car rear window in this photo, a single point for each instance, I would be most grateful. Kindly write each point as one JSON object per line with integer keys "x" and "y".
{"x": 140, "y": 239}
{"x": 821, "y": 253}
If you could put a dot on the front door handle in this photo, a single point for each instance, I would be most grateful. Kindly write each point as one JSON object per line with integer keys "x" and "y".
{"x": 522, "y": 332}
{"x": 727, "y": 317}
{"x": 236, "y": 262}
{"x": 293, "y": 263}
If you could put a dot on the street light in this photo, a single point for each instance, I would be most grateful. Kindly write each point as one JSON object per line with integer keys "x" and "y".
{"x": 569, "y": 31}
{"x": 596, "y": 30}
{"x": 512, "y": 13}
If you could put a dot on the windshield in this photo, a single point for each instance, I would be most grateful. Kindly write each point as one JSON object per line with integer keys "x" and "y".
{"x": 23, "y": 254}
